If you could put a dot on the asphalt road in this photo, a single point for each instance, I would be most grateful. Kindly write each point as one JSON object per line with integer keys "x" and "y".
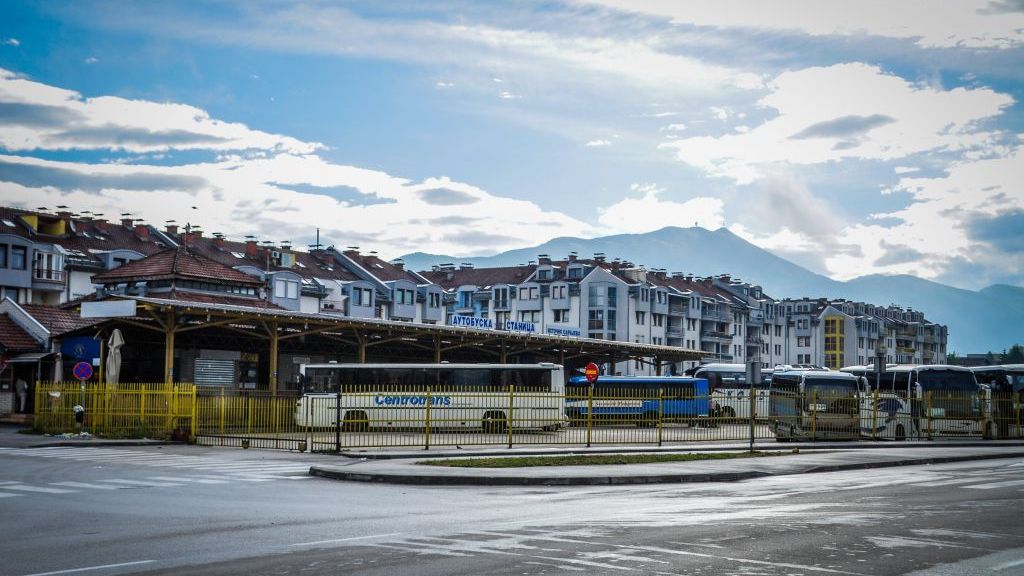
{"x": 203, "y": 511}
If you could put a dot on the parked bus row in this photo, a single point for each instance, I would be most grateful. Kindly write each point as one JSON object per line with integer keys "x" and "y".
{"x": 797, "y": 403}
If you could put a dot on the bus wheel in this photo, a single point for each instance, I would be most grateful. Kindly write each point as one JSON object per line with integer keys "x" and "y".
{"x": 576, "y": 419}
{"x": 901, "y": 434}
{"x": 991, "y": 432}
{"x": 728, "y": 413}
{"x": 356, "y": 421}
{"x": 493, "y": 422}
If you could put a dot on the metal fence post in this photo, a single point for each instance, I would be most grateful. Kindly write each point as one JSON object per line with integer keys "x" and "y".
{"x": 429, "y": 406}
{"x": 814, "y": 415}
{"x": 511, "y": 407}
{"x": 590, "y": 411}
{"x": 874, "y": 415}
{"x": 929, "y": 413}
{"x": 753, "y": 412}
{"x": 195, "y": 412}
{"x": 337, "y": 420}
{"x": 661, "y": 399}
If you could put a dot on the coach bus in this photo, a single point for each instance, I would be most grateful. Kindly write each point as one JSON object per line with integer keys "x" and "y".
{"x": 638, "y": 400}
{"x": 442, "y": 396}
{"x": 924, "y": 402}
{"x": 814, "y": 404}
{"x": 1006, "y": 387}
{"x": 730, "y": 393}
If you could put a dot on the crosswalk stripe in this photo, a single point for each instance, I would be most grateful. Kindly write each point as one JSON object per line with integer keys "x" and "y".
{"x": 948, "y": 482}
{"x": 85, "y": 485}
{"x": 180, "y": 479}
{"x": 4, "y": 495}
{"x": 992, "y": 485}
{"x": 27, "y": 488}
{"x": 141, "y": 483}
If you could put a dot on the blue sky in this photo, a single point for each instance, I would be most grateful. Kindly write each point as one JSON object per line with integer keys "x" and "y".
{"x": 852, "y": 138}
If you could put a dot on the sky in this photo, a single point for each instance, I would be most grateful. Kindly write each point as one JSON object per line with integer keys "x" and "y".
{"x": 852, "y": 138}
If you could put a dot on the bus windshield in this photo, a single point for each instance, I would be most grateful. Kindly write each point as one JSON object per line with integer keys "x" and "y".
{"x": 947, "y": 381}
{"x": 829, "y": 386}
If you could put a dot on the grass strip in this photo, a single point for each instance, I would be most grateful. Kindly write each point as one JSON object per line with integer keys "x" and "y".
{"x": 590, "y": 459}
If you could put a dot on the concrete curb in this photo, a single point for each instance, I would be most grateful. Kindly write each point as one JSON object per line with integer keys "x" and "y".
{"x": 422, "y": 454}
{"x": 468, "y": 480}
{"x": 95, "y": 444}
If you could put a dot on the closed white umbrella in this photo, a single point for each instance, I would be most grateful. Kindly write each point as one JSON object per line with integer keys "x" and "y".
{"x": 113, "y": 367}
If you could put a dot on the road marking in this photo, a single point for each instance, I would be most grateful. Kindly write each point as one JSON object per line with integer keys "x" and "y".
{"x": 180, "y": 479}
{"x": 346, "y": 539}
{"x": 740, "y": 560}
{"x": 1012, "y": 564}
{"x": 25, "y": 488}
{"x": 949, "y": 482}
{"x": 141, "y": 483}
{"x": 3, "y": 495}
{"x": 85, "y": 485}
{"x": 992, "y": 485}
{"x": 71, "y": 570}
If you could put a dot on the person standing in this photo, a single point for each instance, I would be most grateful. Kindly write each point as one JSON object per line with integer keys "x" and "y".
{"x": 21, "y": 391}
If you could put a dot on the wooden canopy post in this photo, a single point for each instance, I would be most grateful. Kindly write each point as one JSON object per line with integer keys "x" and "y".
{"x": 273, "y": 358}
{"x": 169, "y": 325}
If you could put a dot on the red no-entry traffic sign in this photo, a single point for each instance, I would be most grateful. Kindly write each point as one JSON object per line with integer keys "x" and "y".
{"x": 591, "y": 372}
{"x": 82, "y": 371}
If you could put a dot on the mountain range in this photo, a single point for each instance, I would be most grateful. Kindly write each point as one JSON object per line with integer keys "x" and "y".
{"x": 978, "y": 321}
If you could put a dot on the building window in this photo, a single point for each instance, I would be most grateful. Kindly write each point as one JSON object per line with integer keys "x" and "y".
{"x": 433, "y": 299}
{"x": 640, "y": 317}
{"x": 533, "y": 316}
{"x": 19, "y": 257}
{"x": 657, "y": 320}
{"x": 558, "y": 292}
{"x": 561, "y": 316}
{"x": 803, "y": 341}
{"x": 501, "y": 297}
{"x": 596, "y": 320}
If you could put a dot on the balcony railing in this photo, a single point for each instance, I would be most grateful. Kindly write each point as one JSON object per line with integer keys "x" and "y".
{"x": 47, "y": 275}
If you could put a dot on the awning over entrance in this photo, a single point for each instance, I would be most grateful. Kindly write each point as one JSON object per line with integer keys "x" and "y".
{"x": 29, "y": 357}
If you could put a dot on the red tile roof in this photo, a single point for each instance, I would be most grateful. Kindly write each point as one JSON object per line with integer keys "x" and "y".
{"x": 57, "y": 320}
{"x": 381, "y": 269}
{"x": 187, "y": 296}
{"x": 13, "y": 338}
{"x": 176, "y": 263}
{"x": 307, "y": 265}
{"x": 482, "y": 277}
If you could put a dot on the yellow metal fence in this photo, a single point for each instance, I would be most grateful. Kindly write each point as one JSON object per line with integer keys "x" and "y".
{"x": 509, "y": 417}
{"x": 127, "y": 410}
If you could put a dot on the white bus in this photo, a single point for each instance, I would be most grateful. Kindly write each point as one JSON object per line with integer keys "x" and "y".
{"x": 814, "y": 404}
{"x": 1005, "y": 385}
{"x": 730, "y": 393}
{"x": 484, "y": 397}
{"x": 923, "y": 402}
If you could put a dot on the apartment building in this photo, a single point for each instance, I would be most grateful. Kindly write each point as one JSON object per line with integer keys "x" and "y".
{"x": 53, "y": 258}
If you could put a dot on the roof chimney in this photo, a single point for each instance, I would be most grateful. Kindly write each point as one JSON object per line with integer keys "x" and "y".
{"x": 543, "y": 259}
{"x": 572, "y": 256}
{"x": 251, "y": 249}
{"x": 218, "y": 241}
{"x": 172, "y": 228}
{"x": 398, "y": 264}
{"x": 142, "y": 231}
{"x": 127, "y": 221}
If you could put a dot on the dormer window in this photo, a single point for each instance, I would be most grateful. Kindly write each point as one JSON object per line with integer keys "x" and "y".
{"x": 543, "y": 274}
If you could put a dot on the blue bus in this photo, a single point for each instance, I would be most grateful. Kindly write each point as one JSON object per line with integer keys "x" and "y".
{"x": 637, "y": 400}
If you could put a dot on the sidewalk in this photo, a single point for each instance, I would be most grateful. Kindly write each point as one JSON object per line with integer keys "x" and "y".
{"x": 10, "y": 437}
{"x": 812, "y": 458}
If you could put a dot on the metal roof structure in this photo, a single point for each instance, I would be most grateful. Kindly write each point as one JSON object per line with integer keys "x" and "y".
{"x": 274, "y": 329}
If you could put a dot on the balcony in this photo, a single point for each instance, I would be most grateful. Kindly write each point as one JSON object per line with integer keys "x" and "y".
{"x": 754, "y": 340}
{"x": 714, "y": 335}
{"x": 47, "y": 275}
{"x": 715, "y": 315}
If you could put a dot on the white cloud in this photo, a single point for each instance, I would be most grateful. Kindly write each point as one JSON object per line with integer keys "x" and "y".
{"x": 598, "y": 143}
{"x": 92, "y": 60}
{"x": 847, "y": 111}
{"x": 934, "y": 224}
{"x": 720, "y": 113}
{"x": 11, "y": 42}
{"x": 677, "y": 127}
{"x": 964, "y": 23}
{"x": 649, "y": 212}
{"x": 506, "y": 95}
{"x": 64, "y": 120}
{"x": 441, "y": 84}
{"x": 905, "y": 169}
{"x": 270, "y": 185}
